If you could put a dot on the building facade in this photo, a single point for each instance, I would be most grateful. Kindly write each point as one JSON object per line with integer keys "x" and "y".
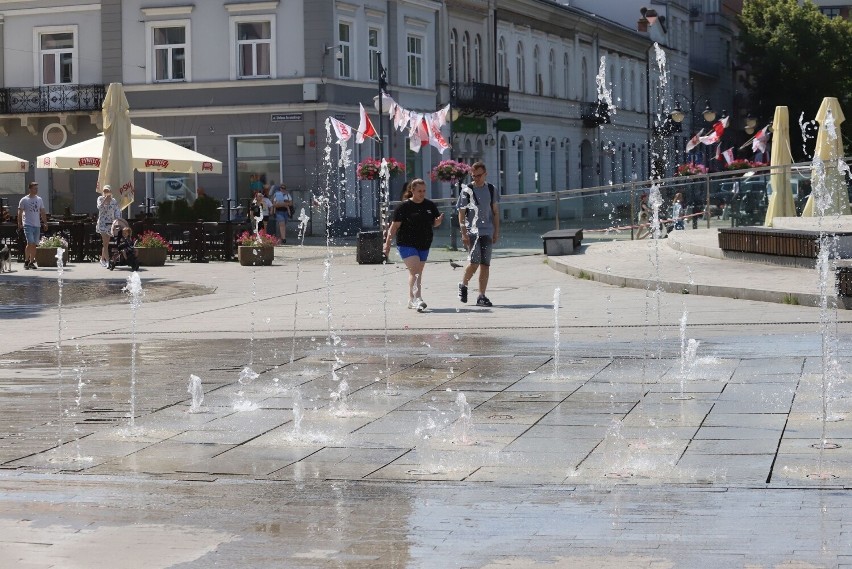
{"x": 551, "y": 96}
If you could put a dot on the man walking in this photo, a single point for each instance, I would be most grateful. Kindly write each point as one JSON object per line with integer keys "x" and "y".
{"x": 31, "y": 219}
{"x": 479, "y": 219}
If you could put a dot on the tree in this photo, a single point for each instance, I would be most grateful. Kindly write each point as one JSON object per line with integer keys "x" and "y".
{"x": 795, "y": 56}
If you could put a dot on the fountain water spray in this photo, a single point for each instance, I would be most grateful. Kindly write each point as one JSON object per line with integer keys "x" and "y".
{"x": 59, "y": 271}
{"x": 556, "y": 294}
{"x": 133, "y": 289}
{"x": 384, "y": 177}
{"x": 197, "y": 392}
{"x": 303, "y": 224}
{"x": 465, "y": 422}
{"x": 298, "y": 413}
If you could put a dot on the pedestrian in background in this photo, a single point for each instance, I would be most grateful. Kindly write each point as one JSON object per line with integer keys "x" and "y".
{"x": 32, "y": 219}
{"x": 108, "y": 211}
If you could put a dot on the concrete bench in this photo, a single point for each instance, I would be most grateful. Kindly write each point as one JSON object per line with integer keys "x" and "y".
{"x": 562, "y": 241}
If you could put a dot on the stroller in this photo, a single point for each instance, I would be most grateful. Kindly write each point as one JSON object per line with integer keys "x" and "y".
{"x": 122, "y": 251}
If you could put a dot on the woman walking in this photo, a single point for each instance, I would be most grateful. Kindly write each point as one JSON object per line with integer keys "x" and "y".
{"x": 413, "y": 222}
{"x": 108, "y": 211}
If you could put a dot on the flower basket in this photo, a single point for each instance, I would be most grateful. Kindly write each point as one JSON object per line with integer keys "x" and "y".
{"x": 152, "y": 240}
{"x": 151, "y": 256}
{"x": 259, "y": 239}
{"x": 690, "y": 169}
{"x": 369, "y": 168}
{"x": 450, "y": 171}
{"x": 742, "y": 164}
{"x": 251, "y": 256}
{"x": 46, "y": 256}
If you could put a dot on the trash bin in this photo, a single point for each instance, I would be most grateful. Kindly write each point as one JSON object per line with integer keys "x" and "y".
{"x": 369, "y": 248}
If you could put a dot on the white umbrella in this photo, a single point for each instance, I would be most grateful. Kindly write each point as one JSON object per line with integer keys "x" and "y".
{"x": 781, "y": 201}
{"x": 829, "y": 149}
{"x": 116, "y": 158}
{"x": 11, "y": 164}
{"x": 151, "y": 153}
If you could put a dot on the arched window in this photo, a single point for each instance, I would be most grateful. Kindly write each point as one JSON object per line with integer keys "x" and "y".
{"x": 504, "y": 155}
{"x": 520, "y": 146}
{"x": 584, "y": 81}
{"x": 480, "y": 151}
{"x": 551, "y": 73}
{"x": 566, "y": 144}
{"x": 634, "y": 101}
{"x": 625, "y": 164}
{"x": 454, "y": 53}
{"x": 566, "y": 76}
{"x": 519, "y": 68}
{"x": 478, "y": 75}
{"x": 502, "y": 68}
{"x": 465, "y": 56}
{"x": 643, "y": 98}
{"x": 537, "y": 164}
{"x": 537, "y": 87}
{"x": 552, "y": 145}
{"x": 624, "y": 89}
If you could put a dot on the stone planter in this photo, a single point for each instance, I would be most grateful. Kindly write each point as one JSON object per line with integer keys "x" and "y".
{"x": 151, "y": 256}
{"x": 46, "y": 257}
{"x": 251, "y": 256}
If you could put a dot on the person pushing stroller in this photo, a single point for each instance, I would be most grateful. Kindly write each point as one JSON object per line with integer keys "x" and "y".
{"x": 123, "y": 252}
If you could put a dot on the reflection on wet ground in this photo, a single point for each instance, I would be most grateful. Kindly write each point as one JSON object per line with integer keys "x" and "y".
{"x": 733, "y": 420}
{"x": 19, "y": 297}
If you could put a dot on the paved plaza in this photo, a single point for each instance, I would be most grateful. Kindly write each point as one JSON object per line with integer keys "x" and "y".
{"x": 675, "y": 410}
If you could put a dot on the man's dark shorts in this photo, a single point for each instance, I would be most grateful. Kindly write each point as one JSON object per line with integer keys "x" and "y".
{"x": 480, "y": 250}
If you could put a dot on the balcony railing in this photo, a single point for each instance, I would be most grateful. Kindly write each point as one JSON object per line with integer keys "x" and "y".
{"x": 51, "y": 99}
{"x": 481, "y": 99}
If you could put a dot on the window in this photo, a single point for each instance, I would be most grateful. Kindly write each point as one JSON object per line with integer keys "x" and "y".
{"x": 504, "y": 156}
{"x": 415, "y": 61}
{"x": 537, "y": 163}
{"x": 584, "y": 81}
{"x": 254, "y": 49}
{"x": 454, "y": 53}
{"x": 257, "y": 159}
{"x": 477, "y": 59}
{"x": 567, "y": 144}
{"x": 566, "y": 76}
{"x": 520, "y": 141}
{"x": 57, "y": 56}
{"x": 552, "y": 164}
{"x": 537, "y": 88}
{"x": 374, "y": 45}
{"x": 171, "y": 186}
{"x": 344, "y": 42}
{"x": 170, "y": 52}
{"x": 830, "y": 12}
{"x": 551, "y": 73}
{"x": 465, "y": 56}
{"x": 519, "y": 67}
{"x": 502, "y": 72}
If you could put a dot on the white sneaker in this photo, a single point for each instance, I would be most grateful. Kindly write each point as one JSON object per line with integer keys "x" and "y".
{"x": 421, "y": 306}
{"x": 413, "y": 303}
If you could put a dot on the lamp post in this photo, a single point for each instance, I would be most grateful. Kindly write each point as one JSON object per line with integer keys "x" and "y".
{"x": 454, "y": 222}
{"x": 678, "y": 115}
{"x": 381, "y": 202}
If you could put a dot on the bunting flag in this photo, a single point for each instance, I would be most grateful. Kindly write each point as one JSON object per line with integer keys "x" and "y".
{"x": 718, "y": 156}
{"x": 341, "y": 129}
{"x": 437, "y": 140}
{"x": 716, "y": 135}
{"x": 758, "y": 143}
{"x": 694, "y": 141}
{"x": 365, "y": 128}
{"x": 729, "y": 155}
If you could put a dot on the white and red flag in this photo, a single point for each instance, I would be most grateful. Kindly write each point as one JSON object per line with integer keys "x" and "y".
{"x": 437, "y": 139}
{"x": 365, "y": 128}
{"x": 341, "y": 129}
{"x": 716, "y": 135}
{"x": 728, "y": 155}
{"x": 758, "y": 144}
{"x": 694, "y": 141}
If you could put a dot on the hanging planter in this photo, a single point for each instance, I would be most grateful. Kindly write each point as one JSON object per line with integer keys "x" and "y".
{"x": 450, "y": 171}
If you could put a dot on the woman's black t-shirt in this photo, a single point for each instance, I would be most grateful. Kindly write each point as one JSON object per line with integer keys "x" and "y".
{"x": 416, "y": 221}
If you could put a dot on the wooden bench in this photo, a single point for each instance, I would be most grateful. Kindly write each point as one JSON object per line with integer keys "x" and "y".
{"x": 802, "y": 243}
{"x": 562, "y": 241}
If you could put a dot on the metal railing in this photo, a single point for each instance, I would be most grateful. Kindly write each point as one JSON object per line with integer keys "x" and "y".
{"x": 51, "y": 99}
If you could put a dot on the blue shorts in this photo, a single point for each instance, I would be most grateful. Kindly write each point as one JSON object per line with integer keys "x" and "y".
{"x": 406, "y": 252}
{"x": 32, "y": 233}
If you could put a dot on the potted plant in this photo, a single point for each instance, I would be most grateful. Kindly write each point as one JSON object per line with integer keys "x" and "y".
{"x": 690, "y": 169}
{"x": 369, "y": 168}
{"x": 46, "y": 250}
{"x": 742, "y": 164}
{"x": 450, "y": 171}
{"x": 256, "y": 248}
{"x": 152, "y": 249}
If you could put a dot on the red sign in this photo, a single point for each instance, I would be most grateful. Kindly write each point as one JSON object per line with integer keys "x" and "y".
{"x": 157, "y": 163}
{"x": 207, "y": 166}
{"x": 96, "y": 162}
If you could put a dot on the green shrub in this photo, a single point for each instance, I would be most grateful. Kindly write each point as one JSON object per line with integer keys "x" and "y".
{"x": 206, "y": 208}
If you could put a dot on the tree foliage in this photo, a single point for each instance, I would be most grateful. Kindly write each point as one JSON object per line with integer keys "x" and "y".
{"x": 795, "y": 56}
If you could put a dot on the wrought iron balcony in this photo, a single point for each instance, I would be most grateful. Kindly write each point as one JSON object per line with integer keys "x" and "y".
{"x": 51, "y": 99}
{"x": 595, "y": 114}
{"x": 481, "y": 99}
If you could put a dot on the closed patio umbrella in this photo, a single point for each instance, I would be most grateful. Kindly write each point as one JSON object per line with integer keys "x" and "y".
{"x": 829, "y": 149}
{"x": 10, "y": 164}
{"x": 116, "y": 164}
{"x": 781, "y": 201}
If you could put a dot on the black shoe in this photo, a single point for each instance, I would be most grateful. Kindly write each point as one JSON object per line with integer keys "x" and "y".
{"x": 483, "y": 301}
{"x": 33, "y": 265}
{"x": 463, "y": 293}
{"x": 110, "y": 265}
{"x": 26, "y": 265}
